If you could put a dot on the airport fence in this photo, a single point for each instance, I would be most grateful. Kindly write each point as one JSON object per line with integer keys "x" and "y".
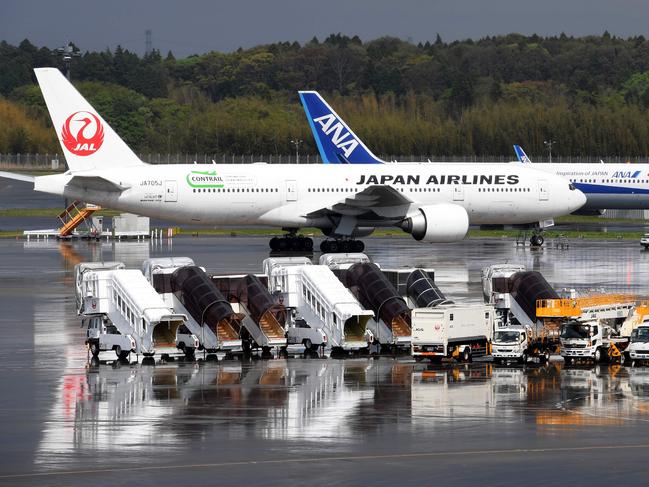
{"x": 57, "y": 161}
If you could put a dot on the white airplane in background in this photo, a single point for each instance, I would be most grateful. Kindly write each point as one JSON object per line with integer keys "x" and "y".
{"x": 606, "y": 186}
{"x": 434, "y": 203}
{"x": 337, "y": 144}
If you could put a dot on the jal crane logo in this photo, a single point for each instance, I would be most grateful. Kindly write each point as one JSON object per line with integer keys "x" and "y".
{"x": 82, "y": 133}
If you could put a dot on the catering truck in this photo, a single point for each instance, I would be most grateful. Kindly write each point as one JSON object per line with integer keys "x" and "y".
{"x": 460, "y": 332}
{"x": 519, "y": 343}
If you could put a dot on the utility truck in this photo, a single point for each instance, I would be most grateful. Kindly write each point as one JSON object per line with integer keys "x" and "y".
{"x": 638, "y": 350}
{"x": 460, "y": 332}
{"x": 519, "y": 343}
{"x": 591, "y": 340}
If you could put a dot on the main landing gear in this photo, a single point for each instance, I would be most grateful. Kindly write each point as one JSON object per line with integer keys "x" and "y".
{"x": 536, "y": 240}
{"x": 343, "y": 246}
{"x": 291, "y": 243}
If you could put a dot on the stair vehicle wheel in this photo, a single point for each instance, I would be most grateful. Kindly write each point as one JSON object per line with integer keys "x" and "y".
{"x": 94, "y": 349}
{"x": 189, "y": 352}
{"x": 118, "y": 351}
{"x": 307, "y": 344}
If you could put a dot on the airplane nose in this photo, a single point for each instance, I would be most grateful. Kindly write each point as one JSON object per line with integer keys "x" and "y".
{"x": 578, "y": 199}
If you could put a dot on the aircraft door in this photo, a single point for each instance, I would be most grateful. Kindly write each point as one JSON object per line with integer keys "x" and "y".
{"x": 291, "y": 190}
{"x": 544, "y": 192}
{"x": 171, "y": 191}
{"x": 458, "y": 192}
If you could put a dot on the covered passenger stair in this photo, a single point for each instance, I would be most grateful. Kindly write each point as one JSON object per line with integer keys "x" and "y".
{"x": 205, "y": 303}
{"x": 74, "y": 215}
{"x": 264, "y": 317}
{"x": 526, "y": 289}
{"x": 375, "y": 292}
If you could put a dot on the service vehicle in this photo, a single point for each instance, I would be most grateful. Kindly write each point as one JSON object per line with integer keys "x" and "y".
{"x": 460, "y": 332}
{"x": 644, "y": 241}
{"x": 102, "y": 335}
{"x": 520, "y": 343}
{"x": 638, "y": 350}
{"x": 299, "y": 332}
{"x": 186, "y": 341}
{"x": 592, "y": 341}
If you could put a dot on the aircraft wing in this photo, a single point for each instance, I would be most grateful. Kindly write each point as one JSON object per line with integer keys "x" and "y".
{"x": 373, "y": 203}
{"x": 96, "y": 183}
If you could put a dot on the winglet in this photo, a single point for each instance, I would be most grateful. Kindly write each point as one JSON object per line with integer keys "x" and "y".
{"x": 336, "y": 141}
{"x": 520, "y": 155}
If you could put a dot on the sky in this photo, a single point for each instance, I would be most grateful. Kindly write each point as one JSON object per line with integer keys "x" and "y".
{"x": 197, "y": 26}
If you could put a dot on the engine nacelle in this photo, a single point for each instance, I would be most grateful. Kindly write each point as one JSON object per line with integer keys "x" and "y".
{"x": 444, "y": 222}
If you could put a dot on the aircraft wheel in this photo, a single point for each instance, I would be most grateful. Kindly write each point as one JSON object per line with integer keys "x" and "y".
{"x": 358, "y": 246}
{"x": 307, "y": 244}
{"x": 324, "y": 246}
{"x": 274, "y": 244}
{"x": 334, "y": 246}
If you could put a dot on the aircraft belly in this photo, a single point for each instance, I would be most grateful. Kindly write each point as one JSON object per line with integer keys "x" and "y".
{"x": 603, "y": 201}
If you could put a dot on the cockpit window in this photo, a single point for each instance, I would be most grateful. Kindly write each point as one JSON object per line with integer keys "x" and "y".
{"x": 571, "y": 186}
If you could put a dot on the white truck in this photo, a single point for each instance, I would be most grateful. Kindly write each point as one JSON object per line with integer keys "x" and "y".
{"x": 592, "y": 341}
{"x": 519, "y": 343}
{"x": 102, "y": 335}
{"x": 638, "y": 350}
{"x": 460, "y": 332}
{"x": 302, "y": 333}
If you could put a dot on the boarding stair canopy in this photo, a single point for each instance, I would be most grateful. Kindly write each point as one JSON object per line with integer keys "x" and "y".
{"x": 526, "y": 288}
{"x": 205, "y": 302}
{"x": 423, "y": 291}
{"x": 74, "y": 215}
{"x": 375, "y": 292}
{"x": 262, "y": 307}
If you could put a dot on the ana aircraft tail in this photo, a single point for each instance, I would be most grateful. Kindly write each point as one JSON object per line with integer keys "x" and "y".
{"x": 336, "y": 141}
{"x": 520, "y": 155}
{"x": 87, "y": 140}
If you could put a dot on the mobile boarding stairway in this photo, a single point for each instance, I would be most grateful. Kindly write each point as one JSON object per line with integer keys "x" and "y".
{"x": 316, "y": 297}
{"x": 188, "y": 290}
{"x": 126, "y": 299}
{"x": 263, "y": 318}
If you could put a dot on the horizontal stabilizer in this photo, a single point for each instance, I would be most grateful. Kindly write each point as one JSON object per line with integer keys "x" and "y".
{"x": 16, "y": 176}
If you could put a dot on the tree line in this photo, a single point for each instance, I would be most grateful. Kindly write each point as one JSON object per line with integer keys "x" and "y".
{"x": 589, "y": 94}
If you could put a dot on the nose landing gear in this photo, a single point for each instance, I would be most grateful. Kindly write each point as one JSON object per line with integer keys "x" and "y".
{"x": 342, "y": 246}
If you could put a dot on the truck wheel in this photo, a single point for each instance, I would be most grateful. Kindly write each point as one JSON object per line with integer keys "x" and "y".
{"x": 307, "y": 344}
{"x": 94, "y": 349}
{"x": 598, "y": 355}
{"x": 498, "y": 361}
{"x": 189, "y": 352}
{"x": 545, "y": 358}
{"x": 466, "y": 355}
{"x": 523, "y": 358}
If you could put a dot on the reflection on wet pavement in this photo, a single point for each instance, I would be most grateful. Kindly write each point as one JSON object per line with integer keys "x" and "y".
{"x": 60, "y": 413}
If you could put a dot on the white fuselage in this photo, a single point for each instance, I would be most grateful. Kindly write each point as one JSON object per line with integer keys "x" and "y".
{"x": 290, "y": 195}
{"x": 606, "y": 186}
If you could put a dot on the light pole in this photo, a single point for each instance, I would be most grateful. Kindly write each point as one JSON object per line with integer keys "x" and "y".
{"x": 549, "y": 143}
{"x": 296, "y": 143}
{"x": 67, "y": 53}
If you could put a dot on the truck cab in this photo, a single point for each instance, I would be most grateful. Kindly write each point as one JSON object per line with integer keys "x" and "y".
{"x": 510, "y": 343}
{"x": 186, "y": 341}
{"x": 639, "y": 345}
{"x": 590, "y": 340}
{"x": 102, "y": 335}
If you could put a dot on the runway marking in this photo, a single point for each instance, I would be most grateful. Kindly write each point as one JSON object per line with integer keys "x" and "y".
{"x": 323, "y": 459}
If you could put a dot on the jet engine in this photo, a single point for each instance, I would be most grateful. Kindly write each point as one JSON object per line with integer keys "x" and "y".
{"x": 439, "y": 223}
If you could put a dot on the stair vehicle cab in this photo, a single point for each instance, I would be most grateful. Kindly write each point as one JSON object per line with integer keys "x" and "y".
{"x": 102, "y": 335}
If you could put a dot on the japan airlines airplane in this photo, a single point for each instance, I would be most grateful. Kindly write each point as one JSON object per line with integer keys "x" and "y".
{"x": 606, "y": 186}
{"x": 434, "y": 203}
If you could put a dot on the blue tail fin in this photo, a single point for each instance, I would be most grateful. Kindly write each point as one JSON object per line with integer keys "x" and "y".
{"x": 520, "y": 155}
{"x": 336, "y": 142}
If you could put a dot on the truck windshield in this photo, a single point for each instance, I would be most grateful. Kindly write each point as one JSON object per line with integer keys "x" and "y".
{"x": 574, "y": 330}
{"x": 640, "y": 335}
{"x": 506, "y": 336}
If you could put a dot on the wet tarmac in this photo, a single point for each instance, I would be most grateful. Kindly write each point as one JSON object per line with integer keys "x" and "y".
{"x": 65, "y": 421}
